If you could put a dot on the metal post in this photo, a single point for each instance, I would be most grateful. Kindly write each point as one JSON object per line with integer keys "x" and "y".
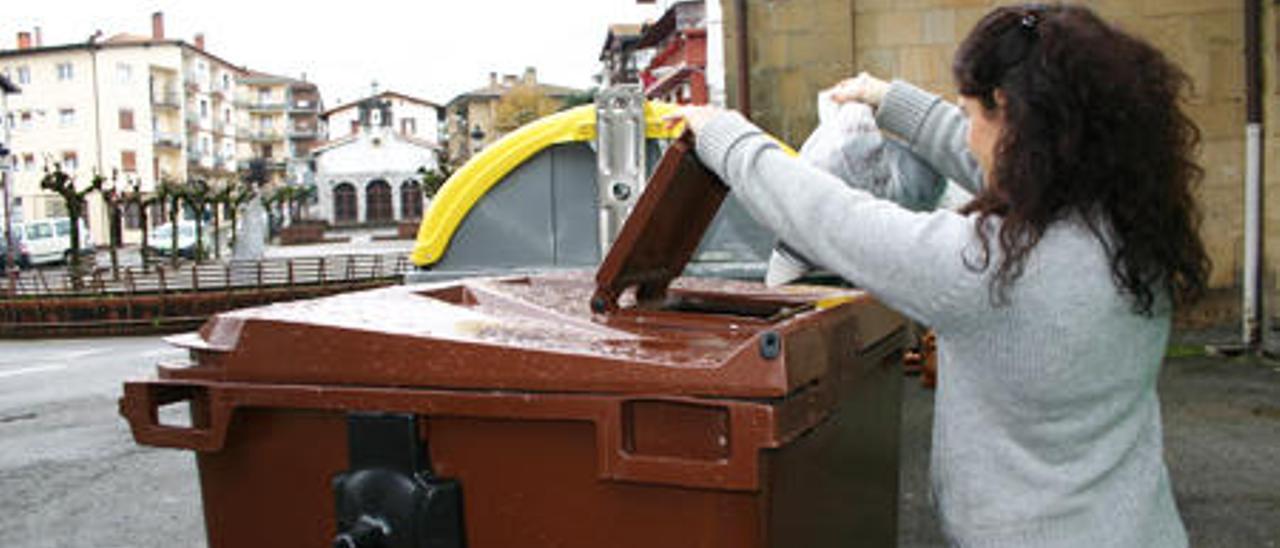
{"x": 620, "y": 157}
{"x": 5, "y": 88}
{"x": 9, "y": 241}
{"x": 743, "y": 45}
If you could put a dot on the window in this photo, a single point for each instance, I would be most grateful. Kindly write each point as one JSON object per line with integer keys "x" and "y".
{"x": 204, "y": 108}
{"x": 204, "y": 146}
{"x": 126, "y": 119}
{"x": 26, "y": 119}
{"x": 66, "y": 117}
{"x": 264, "y": 96}
{"x": 29, "y": 162}
{"x": 64, "y": 71}
{"x": 129, "y": 161}
{"x": 124, "y": 73}
{"x": 264, "y": 123}
{"x": 9, "y": 121}
{"x": 226, "y": 116}
{"x": 355, "y": 126}
{"x": 408, "y": 126}
{"x": 226, "y": 82}
{"x": 24, "y": 74}
{"x": 69, "y": 161}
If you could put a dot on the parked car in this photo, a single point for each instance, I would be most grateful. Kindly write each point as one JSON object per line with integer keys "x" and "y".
{"x": 49, "y": 240}
{"x": 160, "y": 240}
{"x": 21, "y": 258}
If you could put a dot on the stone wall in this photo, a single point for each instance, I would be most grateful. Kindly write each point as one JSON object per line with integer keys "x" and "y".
{"x": 798, "y": 47}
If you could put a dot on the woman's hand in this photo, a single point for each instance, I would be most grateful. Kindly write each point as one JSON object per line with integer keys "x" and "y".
{"x": 695, "y": 117}
{"x": 863, "y": 88}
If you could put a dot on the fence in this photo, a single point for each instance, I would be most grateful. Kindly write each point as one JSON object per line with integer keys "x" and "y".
{"x": 164, "y": 299}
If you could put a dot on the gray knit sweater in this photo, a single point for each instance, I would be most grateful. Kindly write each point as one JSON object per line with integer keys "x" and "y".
{"x": 1047, "y": 425}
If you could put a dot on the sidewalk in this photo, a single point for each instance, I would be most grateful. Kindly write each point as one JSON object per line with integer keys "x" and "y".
{"x": 1222, "y": 446}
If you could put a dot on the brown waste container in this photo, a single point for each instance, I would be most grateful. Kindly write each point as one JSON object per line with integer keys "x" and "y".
{"x": 623, "y": 410}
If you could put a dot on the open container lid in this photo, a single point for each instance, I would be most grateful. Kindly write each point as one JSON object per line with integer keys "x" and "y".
{"x": 663, "y": 230}
{"x": 561, "y": 332}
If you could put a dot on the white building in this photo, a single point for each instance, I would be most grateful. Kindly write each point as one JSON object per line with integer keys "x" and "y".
{"x": 370, "y": 176}
{"x": 411, "y": 117}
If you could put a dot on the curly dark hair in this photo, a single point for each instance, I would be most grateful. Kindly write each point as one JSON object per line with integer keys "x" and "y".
{"x": 1093, "y": 129}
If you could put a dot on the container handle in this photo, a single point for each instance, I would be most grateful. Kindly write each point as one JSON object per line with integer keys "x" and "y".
{"x": 141, "y": 404}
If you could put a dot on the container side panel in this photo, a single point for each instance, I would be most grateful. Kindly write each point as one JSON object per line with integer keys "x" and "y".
{"x": 535, "y": 484}
{"x": 838, "y": 485}
{"x": 270, "y": 485}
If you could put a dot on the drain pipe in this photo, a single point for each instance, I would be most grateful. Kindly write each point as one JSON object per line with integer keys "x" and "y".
{"x": 744, "y": 58}
{"x": 1252, "y": 309}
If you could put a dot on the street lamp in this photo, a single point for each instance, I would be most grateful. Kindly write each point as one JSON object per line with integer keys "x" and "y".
{"x": 6, "y": 87}
{"x": 477, "y": 138}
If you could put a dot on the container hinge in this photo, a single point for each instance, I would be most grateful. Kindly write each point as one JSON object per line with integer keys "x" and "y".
{"x": 389, "y": 498}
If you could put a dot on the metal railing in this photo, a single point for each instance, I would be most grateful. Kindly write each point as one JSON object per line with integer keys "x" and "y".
{"x": 168, "y": 140}
{"x": 260, "y": 106}
{"x": 303, "y": 133}
{"x": 259, "y": 135}
{"x": 170, "y": 99}
{"x": 212, "y": 276}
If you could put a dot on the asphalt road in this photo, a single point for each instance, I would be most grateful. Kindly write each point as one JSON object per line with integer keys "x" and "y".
{"x": 71, "y": 476}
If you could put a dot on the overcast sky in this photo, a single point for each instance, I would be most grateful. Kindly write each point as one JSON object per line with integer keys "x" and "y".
{"x": 434, "y": 49}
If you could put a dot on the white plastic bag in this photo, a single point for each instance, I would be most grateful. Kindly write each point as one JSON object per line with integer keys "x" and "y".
{"x": 848, "y": 144}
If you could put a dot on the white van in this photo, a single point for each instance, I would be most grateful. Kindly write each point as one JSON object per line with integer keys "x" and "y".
{"x": 49, "y": 240}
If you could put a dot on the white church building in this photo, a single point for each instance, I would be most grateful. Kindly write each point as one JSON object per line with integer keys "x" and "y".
{"x": 370, "y": 175}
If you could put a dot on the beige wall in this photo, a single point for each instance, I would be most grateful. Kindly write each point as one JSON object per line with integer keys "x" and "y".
{"x": 916, "y": 39}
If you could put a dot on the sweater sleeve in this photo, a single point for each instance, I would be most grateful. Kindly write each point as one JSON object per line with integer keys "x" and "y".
{"x": 910, "y": 261}
{"x": 935, "y": 130}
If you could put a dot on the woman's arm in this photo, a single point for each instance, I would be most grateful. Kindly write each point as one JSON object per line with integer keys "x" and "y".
{"x": 911, "y": 261}
{"x": 934, "y": 129}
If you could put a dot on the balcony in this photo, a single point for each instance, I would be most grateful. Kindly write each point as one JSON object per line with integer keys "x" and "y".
{"x": 273, "y": 164}
{"x": 258, "y": 106}
{"x": 303, "y": 133}
{"x": 166, "y": 99}
{"x": 167, "y": 140}
{"x": 304, "y": 106}
{"x": 223, "y": 129}
{"x": 260, "y": 135}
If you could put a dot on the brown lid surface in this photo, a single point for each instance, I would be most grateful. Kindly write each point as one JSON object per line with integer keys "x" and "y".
{"x": 710, "y": 338}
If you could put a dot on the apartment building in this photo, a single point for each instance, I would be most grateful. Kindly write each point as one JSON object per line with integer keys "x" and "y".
{"x": 473, "y": 117}
{"x": 147, "y": 107}
{"x": 280, "y": 123}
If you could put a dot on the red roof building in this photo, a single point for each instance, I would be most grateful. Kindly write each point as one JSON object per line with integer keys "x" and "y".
{"x": 678, "y": 71}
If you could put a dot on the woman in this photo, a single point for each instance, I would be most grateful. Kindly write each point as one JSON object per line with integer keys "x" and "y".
{"x": 1051, "y": 293}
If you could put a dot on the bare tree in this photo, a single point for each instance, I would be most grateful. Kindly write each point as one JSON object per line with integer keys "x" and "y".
{"x": 113, "y": 195}
{"x": 169, "y": 195}
{"x": 64, "y": 185}
{"x": 134, "y": 197}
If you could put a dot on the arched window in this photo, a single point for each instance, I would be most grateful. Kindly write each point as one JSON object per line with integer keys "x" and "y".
{"x": 410, "y": 200}
{"x": 344, "y": 203}
{"x": 378, "y": 202}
